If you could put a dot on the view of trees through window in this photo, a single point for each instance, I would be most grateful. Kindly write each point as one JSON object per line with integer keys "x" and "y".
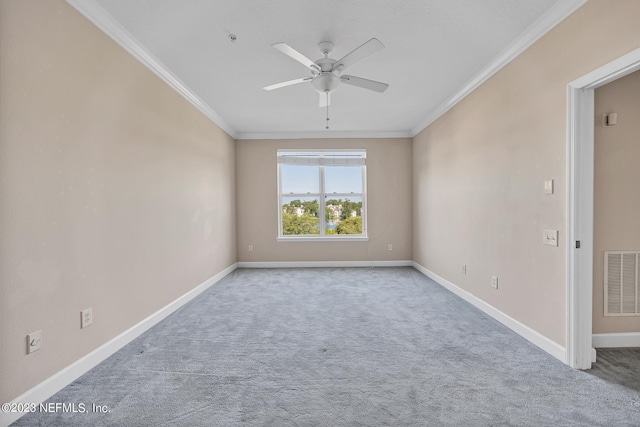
{"x": 322, "y": 193}
{"x": 341, "y": 217}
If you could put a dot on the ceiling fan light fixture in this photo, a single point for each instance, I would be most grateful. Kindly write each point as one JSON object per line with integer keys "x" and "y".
{"x": 326, "y": 82}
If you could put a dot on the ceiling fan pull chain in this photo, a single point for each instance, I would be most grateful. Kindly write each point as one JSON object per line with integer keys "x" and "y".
{"x": 327, "y": 92}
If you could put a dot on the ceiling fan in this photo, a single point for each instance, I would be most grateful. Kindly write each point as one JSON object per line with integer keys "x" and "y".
{"x": 326, "y": 73}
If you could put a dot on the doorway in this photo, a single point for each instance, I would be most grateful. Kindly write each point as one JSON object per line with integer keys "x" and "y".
{"x": 580, "y": 185}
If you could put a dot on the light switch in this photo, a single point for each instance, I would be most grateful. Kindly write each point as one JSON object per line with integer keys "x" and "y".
{"x": 548, "y": 186}
{"x": 550, "y": 237}
{"x": 34, "y": 341}
{"x": 609, "y": 119}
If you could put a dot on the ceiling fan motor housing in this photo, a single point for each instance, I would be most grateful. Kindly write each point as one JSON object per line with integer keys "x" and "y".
{"x": 326, "y": 81}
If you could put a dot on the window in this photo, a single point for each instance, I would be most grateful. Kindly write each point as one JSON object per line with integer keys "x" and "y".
{"x": 322, "y": 194}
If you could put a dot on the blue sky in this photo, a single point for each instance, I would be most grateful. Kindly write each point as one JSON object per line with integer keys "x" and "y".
{"x": 338, "y": 179}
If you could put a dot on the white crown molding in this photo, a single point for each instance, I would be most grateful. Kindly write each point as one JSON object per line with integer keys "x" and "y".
{"x": 91, "y": 10}
{"x": 66, "y": 376}
{"x": 556, "y": 14}
{"x": 324, "y": 264}
{"x": 616, "y": 340}
{"x": 531, "y": 335}
{"x": 322, "y": 135}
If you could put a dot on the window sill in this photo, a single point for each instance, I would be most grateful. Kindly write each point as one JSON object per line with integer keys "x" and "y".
{"x": 322, "y": 239}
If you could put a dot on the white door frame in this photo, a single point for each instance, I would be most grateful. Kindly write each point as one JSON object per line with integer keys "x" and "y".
{"x": 580, "y": 157}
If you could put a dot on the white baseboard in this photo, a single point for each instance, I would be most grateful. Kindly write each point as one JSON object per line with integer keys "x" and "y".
{"x": 623, "y": 339}
{"x": 66, "y": 376}
{"x": 551, "y": 347}
{"x": 312, "y": 264}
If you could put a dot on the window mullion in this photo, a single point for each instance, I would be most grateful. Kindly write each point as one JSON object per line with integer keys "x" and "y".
{"x": 363, "y": 212}
{"x": 321, "y": 202}
{"x": 341, "y": 195}
{"x": 280, "y": 201}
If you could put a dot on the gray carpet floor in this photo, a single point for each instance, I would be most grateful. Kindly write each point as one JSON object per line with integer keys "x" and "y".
{"x": 343, "y": 347}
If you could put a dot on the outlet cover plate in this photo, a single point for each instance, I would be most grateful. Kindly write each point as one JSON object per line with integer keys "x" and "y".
{"x": 86, "y": 318}
{"x": 550, "y": 237}
{"x": 494, "y": 282}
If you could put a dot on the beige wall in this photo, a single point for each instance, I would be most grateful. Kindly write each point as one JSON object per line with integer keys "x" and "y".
{"x": 616, "y": 193}
{"x": 388, "y": 198}
{"x": 479, "y": 170}
{"x": 115, "y": 192}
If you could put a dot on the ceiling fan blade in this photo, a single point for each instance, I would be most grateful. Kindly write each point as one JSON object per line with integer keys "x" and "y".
{"x": 287, "y": 83}
{"x": 325, "y": 99}
{"x": 358, "y": 54}
{"x": 364, "y": 83}
{"x": 294, "y": 54}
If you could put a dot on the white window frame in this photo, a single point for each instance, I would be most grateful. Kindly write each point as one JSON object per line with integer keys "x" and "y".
{"x": 322, "y": 197}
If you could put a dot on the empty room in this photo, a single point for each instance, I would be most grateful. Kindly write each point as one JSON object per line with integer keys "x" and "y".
{"x": 335, "y": 213}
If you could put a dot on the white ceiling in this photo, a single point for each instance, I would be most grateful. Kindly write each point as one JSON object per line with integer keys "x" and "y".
{"x": 436, "y": 51}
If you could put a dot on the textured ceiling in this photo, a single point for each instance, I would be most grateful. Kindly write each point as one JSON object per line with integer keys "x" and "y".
{"x": 433, "y": 48}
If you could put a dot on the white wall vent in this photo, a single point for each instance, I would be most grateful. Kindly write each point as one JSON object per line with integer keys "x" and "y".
{"x": 621, "y": 283}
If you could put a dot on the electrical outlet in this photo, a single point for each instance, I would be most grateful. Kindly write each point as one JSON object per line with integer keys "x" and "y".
{"x": 86, "y": 318}
{"x": 34, "y": 341}
{"x": 548, "y": 187}
{"x": 464, "y": 269}
{"x": 494, "y": 282}
{"x": 550, "y": 237}
{"x": 250, "y": 248}
{"x": 389, "y": 247}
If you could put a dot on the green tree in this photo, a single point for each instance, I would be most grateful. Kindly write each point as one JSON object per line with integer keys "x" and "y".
{"x": 351, "y": 225}
{"x": 328, "y": 215}
{"x": 293, "y": 224}
{"x": 348, "y": 207}
{"x": 311, "y": 207}
{"x": 290, "y": 207}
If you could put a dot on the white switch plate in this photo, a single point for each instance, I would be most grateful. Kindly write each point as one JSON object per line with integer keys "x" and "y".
{"x": 34, "y": 341}
{"x": 610, "y": 119}
{"x": 86, "y": 318}
{"x": 464, "y": 269}
{"x": 389, "y": 247}
{"x": 548, "y": 186}
{"x": 494, "y": 282}
{"x": 250, "y": 248}
{"x": 550, "y": 237}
